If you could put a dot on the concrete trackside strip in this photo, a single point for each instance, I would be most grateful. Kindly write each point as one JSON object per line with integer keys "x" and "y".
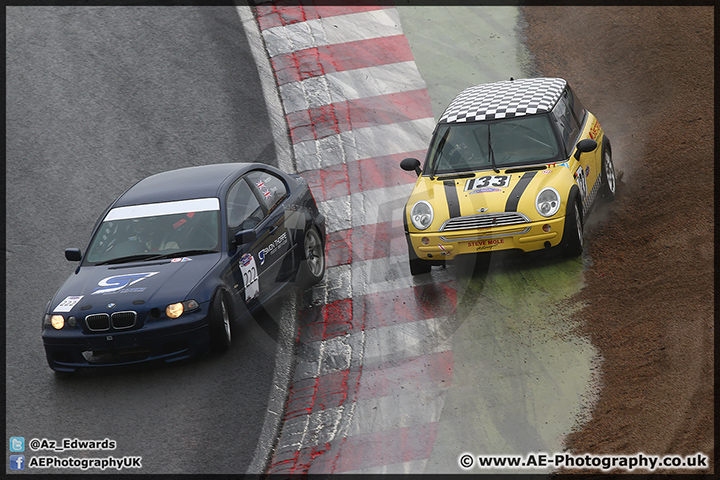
{"x": 369, "y": 334}
{"x": 288, "y": 322}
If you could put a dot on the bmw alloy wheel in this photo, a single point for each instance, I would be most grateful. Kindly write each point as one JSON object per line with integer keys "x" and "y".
{"x": 314, "y": 254}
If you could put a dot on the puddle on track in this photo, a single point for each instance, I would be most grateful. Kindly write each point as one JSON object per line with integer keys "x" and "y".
{"x": 522, "y": 379}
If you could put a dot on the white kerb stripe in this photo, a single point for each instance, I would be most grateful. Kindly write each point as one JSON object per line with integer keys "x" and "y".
{"x": 351, "y": 85}
{"x": 332, "y": 30}
{"x": 369, "y": 142}
{"x": 165, "y": 208}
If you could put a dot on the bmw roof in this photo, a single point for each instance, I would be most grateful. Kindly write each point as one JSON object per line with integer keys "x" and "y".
{"x": 183, "y": 184}
{"x": 509, "y": 98}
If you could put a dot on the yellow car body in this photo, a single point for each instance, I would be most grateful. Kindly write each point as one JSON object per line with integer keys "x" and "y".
{"x": 482, "y": 193}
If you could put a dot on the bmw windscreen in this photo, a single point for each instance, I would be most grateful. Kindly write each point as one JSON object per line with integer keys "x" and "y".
{"x": 157, "y": 230}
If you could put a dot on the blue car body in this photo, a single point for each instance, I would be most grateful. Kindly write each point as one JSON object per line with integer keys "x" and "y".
{"x": 118, "y": 306}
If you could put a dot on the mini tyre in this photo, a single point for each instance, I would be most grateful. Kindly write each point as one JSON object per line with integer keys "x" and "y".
{"x": 417, "y": 266}
{"x": 609, "y": 179}
{"x": 220, "y": 324}
{"x": 312, "y": 265}
{"x": 573, "y": 231}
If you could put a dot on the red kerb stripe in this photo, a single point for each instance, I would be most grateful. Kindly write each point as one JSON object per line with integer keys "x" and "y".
{"x": 334, "y": 118}
{"x": 318, "y": 61}
{"x": 287, "y": 12}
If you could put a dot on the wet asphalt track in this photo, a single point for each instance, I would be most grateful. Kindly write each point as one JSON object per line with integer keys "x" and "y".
{"x": 97, "y": 99}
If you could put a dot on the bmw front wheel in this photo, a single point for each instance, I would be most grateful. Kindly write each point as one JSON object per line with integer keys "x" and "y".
{"x": 220, "y": 327}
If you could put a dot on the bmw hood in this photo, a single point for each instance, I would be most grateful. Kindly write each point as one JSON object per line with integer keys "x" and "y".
{"x": 153, "y": 283}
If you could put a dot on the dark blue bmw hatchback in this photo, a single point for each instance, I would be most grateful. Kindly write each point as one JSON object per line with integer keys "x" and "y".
{"x": 180, "y": 257}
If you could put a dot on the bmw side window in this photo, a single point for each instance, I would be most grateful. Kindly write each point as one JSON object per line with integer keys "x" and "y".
{"x": 269, "y": 188}
{"x": 243, "y": 208}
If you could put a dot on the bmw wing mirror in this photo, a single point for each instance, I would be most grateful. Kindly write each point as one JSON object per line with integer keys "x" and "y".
{"x": 410, "y": 165}
{"x": 584, "y": 146}
{"x": 73, "y": 254}
{"x": 245, "y": 236}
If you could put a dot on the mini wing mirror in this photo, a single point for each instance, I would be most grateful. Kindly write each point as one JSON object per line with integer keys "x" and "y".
{"x": 245, "y": 236}
{"x": 584, "y": 146}
{"x": 73, "y": 254}
{"x": 410, "y": 165}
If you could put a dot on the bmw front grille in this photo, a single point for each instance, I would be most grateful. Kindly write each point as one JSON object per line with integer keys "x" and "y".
{"x": 120, "y": 320}
{"x": 98, "y": 322}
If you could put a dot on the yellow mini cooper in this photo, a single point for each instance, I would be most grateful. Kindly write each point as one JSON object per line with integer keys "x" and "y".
{"x": 514, "y": 164}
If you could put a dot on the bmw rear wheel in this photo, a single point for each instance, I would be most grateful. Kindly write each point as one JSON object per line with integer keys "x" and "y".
{"x": 312, "y": 266}
{"x": 573, "y": 231}
{"x": 220, "y": 327}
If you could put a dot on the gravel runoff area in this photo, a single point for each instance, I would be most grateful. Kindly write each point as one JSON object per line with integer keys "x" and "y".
{"x": 647, "y": 74}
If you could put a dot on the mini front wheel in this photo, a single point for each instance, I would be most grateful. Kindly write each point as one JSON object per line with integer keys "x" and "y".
{"x": 573, "y": 231}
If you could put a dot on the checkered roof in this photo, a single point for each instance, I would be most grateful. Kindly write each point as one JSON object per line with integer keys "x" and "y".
{"x": 510, "y": 98}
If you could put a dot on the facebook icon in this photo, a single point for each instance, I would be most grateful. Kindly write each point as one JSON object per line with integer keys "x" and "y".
{"x": 17, "y": 462}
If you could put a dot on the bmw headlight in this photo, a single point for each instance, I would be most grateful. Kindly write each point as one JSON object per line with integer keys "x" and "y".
{"x": 547, "y": 202}
{"x": 421, "y": 215}
{"x": 176, "y": 309}
{"x": 56, "y": 321}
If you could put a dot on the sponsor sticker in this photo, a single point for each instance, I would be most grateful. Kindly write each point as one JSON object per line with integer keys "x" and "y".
{"x": 68, "y": 304}
{"x": 485, "y": 190}
{"x": 181, "y": 260}
{"x": 486, "y": 244}
{"x": 272, "y": 248}
{"x": 120, "y": 283}
{"x": 245, "y": 260}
